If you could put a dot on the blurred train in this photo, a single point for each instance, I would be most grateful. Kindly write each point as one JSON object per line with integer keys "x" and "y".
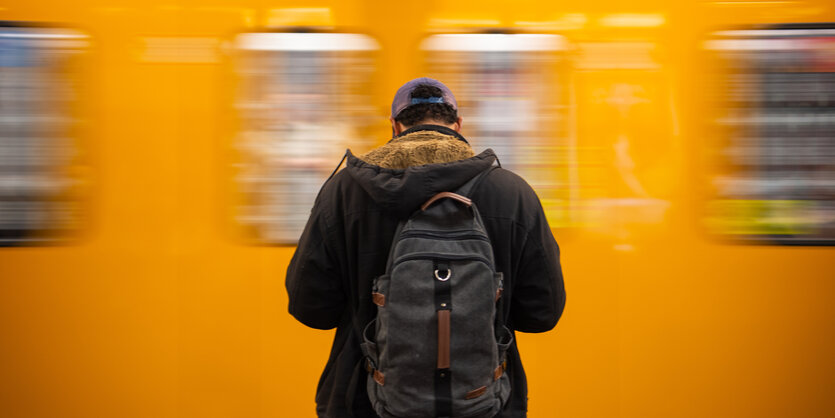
{"x": 158, "y": 160}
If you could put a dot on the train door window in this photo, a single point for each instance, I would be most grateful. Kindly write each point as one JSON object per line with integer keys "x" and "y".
{"x": 774, "y": 161}
{"x": 510, "y": 90}
{"x": 303, "y": 98}
{"x": 628, "y": 147}
{"x": 43, "y": 164}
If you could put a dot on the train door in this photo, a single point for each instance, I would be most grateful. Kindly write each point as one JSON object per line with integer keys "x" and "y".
{"x": 303, "y": 98}
{"x": 628, "y": 140}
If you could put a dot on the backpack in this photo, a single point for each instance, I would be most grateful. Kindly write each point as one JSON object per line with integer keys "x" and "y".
{"x": 437, "y": 345}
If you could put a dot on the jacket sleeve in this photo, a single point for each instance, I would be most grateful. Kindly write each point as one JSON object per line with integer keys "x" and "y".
{"x": 314, "y": 285}
{"x": 538, "y": 289}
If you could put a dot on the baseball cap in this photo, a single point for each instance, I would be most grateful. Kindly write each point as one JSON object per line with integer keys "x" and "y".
{"x": 403, "y": 97}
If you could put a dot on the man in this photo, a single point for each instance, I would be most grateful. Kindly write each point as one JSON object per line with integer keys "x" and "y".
{"x": 346, "y": 242}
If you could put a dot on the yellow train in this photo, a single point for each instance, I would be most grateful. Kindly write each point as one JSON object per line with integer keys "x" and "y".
{"x": 158, "y": 159}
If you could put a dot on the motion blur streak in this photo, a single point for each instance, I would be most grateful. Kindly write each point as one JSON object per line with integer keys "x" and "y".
{"x": 158, "y": 160}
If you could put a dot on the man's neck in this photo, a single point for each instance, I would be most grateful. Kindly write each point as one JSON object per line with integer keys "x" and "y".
{"x": 434, "y": 127}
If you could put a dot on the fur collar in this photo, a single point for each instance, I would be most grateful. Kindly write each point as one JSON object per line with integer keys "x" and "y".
{"x": 418, "y": 148}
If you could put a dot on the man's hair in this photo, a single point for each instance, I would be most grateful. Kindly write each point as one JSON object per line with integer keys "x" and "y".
{"x": 425, "y": 112}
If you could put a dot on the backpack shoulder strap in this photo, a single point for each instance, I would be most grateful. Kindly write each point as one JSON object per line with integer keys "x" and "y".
{"x": 472, "y": 185}
{"x": 462, "y": 194}
{"x": 347, "y": 151}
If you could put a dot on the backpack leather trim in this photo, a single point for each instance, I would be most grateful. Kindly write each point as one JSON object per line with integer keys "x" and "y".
{"x": 465, "y": 200}
{"x": 443, "y": 339}
{"x": 379, "y": 378}
{"x": 379, "y": 299}
{"x": 497, "y": 374}
{"x": 476, "y": 393}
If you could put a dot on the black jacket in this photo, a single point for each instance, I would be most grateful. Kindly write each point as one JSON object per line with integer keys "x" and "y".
{"x": 346, "y": 243}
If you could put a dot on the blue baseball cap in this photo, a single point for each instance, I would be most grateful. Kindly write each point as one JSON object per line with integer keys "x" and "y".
{"x": 403, "y": 97}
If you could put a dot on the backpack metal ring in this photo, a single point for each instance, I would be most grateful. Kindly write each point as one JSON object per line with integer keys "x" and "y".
{"x": 445, "y": 278}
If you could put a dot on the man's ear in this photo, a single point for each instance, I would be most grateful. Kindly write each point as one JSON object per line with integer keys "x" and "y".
{"x": 459, "y": 124}
{"x": 396, "y": 127}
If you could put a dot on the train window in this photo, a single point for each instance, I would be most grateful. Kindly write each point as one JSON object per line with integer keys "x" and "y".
{"x": 42, "y": 163}
{"x": 303, "y": 98}
{"x": 775, "y": 160}
{"x": 511, "y": 94}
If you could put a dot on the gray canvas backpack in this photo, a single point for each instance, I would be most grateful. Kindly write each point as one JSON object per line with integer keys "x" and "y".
{"x": 437, "y": 345}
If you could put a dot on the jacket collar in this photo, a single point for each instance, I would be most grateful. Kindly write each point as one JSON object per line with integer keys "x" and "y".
{"x": 437, "y": 128}
{"x": 404, "y": 190}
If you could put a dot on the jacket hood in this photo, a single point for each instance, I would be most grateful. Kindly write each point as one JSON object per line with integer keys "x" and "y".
{"x": 411, "y": 168}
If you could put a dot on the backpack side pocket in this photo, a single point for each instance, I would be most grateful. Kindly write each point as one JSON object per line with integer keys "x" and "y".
{"x": 371, "y": 364}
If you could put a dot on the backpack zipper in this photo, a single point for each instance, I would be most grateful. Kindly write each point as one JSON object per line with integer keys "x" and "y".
{"x": 446, "y": 257}
{"x": 447, "y": 237}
